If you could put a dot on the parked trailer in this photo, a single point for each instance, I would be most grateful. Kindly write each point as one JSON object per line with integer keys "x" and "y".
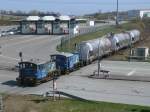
{"x": 34, "y": 73}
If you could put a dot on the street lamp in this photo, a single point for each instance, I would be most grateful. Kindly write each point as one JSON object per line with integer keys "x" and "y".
{"x": 20, "y": 55}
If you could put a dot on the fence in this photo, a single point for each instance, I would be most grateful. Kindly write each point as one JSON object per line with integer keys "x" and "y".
{"x": 83, "y": 31}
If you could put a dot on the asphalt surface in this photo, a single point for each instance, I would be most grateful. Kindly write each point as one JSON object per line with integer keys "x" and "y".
{"x": 76, "y": 83}
{"x": 79, "y": 84}
{"x": 32, "y": 47}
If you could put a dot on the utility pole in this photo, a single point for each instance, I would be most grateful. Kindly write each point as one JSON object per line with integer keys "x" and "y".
{"x": 99, "y": 58}
{"x": 130, "y": 47}
{"x": 20, "y": 55}
{"x": 54, "y": 87}
{"x": 117, "y": 14}
{"x": 69, "y": 34}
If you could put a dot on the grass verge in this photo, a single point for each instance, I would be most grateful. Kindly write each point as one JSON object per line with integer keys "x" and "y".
{"x": 17, "y": 103}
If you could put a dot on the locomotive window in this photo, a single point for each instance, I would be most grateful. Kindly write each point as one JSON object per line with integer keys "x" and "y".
{"x": 23, "y": 65}
{"x": 53, "y": 58}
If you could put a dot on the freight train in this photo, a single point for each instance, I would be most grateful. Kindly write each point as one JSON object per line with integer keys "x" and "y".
{"x": 86, "y": 52}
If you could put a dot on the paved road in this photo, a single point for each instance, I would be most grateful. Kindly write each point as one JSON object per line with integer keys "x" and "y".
{"x": 33, "y": 47}
{"x": 78, "y": 83}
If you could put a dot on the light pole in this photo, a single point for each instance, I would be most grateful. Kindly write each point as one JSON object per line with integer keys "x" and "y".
{"x": 69, "y": 34}
{"x": 99, "y": 58}
{"x": 20, "y": 55}
{"x": 130, "y": 54}
{"x": 117, "y": 23}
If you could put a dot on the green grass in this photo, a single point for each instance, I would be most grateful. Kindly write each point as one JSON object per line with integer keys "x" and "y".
{"x": 65, "y": 47}
{"x": 69, "y": 105}
{"x": 31, "y": 103}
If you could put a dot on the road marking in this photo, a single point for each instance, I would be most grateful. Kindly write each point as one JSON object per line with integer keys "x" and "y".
{"x": 9, "y": 57}
{"x": 131, "y": 73}
{"x": 25, "y": 41}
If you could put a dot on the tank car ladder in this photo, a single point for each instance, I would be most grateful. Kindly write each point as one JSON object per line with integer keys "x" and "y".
{"x": 1, "y": 104}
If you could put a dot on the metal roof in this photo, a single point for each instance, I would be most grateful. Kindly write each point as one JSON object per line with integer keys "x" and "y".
{"x": 48, "y": 18}
{"x": 64, "y": 54}
{"x": 33, "y": 18}
{"x": 64, "y": 18}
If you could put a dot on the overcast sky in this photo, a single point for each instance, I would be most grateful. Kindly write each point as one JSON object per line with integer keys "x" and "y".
{"x": 76, "y": 7}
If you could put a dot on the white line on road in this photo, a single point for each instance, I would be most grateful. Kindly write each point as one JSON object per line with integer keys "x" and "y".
{"x": 25, "y": 41}
{"x": 9, "y": 57}
{"x": 131, "y": 73}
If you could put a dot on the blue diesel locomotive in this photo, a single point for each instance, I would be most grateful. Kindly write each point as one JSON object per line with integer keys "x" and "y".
{"x": 66, "y": 62}
{"x": 31, "y": 73}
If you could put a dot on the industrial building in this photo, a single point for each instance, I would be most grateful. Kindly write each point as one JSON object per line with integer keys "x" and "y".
{"x": 49, "y": 25}
{"x": 45, "y": 25}
{"x": 29, "y": 26}
{"x": 138, "y": 13}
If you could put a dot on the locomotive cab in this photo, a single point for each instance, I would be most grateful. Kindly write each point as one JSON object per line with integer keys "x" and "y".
{"x": 27, "y": 72}
{"x": 33, "y": 73}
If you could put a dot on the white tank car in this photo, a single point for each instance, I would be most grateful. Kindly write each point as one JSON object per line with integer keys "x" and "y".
{"x": 135, "y": 35}
{"x": 119, "y": 41}
{"x": 88, "y": 50}
{"x": 122, "y": 40}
